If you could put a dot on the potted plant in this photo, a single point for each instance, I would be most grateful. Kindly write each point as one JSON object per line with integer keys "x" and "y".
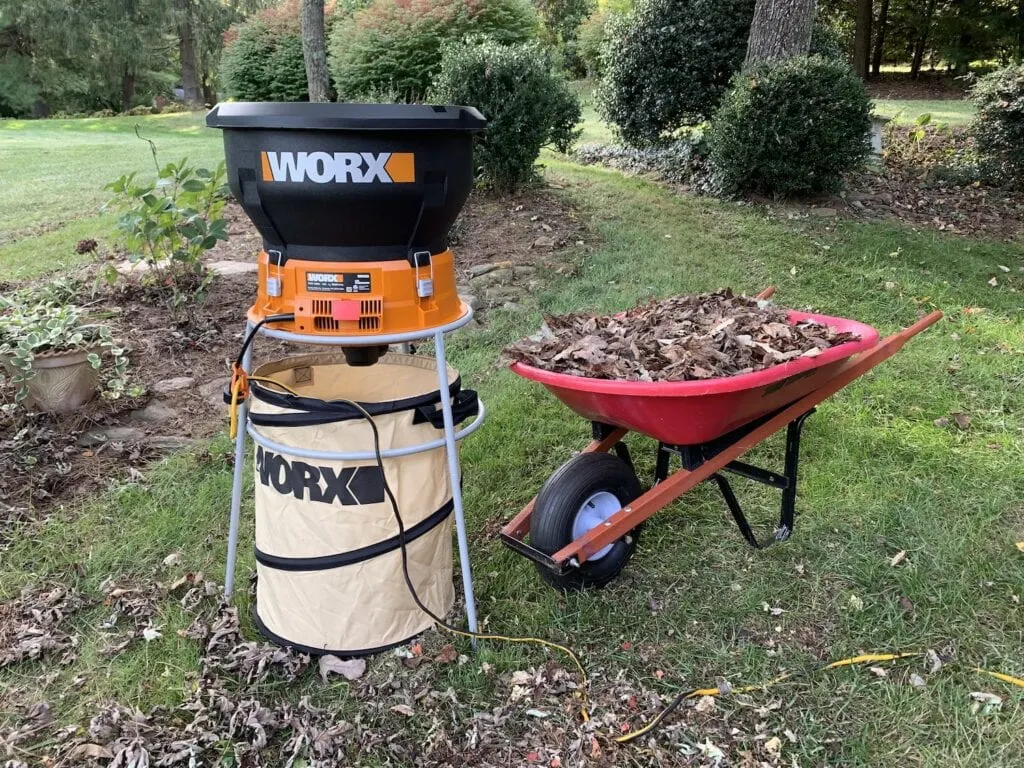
{"x": 54, "y": 353}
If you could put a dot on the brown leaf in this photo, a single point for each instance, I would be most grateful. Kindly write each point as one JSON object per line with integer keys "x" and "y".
{"x": 447, "y": 655}
{"x": 404, "y": 709}
{"x": 962, "y": 420}
{"x": 94, "y": 751}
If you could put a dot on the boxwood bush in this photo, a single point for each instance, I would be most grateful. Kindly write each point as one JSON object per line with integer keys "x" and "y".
{"x": 668, "y": 62}
{"x": 262, "y": 58}
{"x": 394, "y": 46}
{"x": 790, "y": 127}
{"x": 526, "y": 102}
{"x": 998, "y": 127}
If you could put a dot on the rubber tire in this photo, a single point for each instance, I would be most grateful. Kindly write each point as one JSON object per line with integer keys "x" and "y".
{"x": 560, "y": 500}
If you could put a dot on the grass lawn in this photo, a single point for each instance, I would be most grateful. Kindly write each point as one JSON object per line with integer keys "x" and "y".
{"x": 953, "y": 111}
{"x": 55, "y": 171}
{"x": 878, "y": 478}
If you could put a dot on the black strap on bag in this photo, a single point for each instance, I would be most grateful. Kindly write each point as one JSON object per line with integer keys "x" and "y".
{"x": 310, "y": 411}
{"x": 360, "y": 555}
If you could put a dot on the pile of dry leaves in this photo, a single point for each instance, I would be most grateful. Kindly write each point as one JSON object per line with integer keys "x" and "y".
{"x": 31, "y": 625}
{"x": 705, "y": 336}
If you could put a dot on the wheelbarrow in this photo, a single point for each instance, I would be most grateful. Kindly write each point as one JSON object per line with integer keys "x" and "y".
{"x": 584, "y": 523}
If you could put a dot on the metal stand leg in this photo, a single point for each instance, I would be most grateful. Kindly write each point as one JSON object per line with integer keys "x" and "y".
{"x": 456, "y": 479}
{"x": 236, "y": 485}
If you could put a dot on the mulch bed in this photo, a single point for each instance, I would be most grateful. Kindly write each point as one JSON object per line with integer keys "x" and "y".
{"x": 682, "y": 338}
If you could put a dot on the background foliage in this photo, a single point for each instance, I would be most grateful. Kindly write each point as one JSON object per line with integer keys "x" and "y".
{"x": 999, "y": 126}
{"x": 668, "y": 62}
{"x": 526, "y": 103}
{"x": 394, "y": 46}
{"x": 790, "y": 127}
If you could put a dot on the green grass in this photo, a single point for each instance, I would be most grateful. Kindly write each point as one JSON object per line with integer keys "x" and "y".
{"x": 877, "y": 477}
{"x": 55, "y": 171}
{"x": 956, "y": 112}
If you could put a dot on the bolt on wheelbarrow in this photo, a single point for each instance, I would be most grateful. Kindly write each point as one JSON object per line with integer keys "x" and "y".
{"x": 584, "y": 523}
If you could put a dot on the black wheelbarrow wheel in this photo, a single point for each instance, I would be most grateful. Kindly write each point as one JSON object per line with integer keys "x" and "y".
{"x": 581, "y": 495}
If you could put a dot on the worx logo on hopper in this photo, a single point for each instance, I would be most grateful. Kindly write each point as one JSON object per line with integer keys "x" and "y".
{"x": 339, "y": 167}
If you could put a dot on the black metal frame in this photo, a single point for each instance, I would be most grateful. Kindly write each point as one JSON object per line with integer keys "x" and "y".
{"x": 692, "y": 456}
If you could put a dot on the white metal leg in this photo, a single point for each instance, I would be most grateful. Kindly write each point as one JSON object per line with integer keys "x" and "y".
{"x": 236, "y": 485}
{"x": 455, "y": 473}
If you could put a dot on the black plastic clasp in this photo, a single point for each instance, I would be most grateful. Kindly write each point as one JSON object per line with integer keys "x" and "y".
{"x": 466, "y": 403}
{"x": 419, "y": 259}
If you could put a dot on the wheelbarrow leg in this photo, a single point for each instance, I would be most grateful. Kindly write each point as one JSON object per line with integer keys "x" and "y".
{"x": 787, "y": 518}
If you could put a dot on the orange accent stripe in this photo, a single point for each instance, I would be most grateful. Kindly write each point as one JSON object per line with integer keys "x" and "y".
{"x": 265, "y": 162}
{"x": 401, "y": 167}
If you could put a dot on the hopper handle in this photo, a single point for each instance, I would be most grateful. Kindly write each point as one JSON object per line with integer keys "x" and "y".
{"x": 464, "y": 404}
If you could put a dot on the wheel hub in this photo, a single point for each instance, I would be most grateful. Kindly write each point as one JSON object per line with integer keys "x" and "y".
{"x": 592, "y": 513}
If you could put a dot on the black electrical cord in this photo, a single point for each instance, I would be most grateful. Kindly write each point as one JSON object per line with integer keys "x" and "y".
{"x": 255, "y": 329}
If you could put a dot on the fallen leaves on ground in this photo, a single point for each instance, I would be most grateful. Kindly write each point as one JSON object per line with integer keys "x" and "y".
{"x": 31, "y": 625}
{"x": 683, "y": 338}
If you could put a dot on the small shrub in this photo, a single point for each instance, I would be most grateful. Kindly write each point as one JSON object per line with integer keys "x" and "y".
{"x": 999, "y": 125}
{"x": 790, "y": 127}
{"x": 139, "y": 111}
{"x": 668, "y": 62}
{"x": 262, "y": 58}
{"x": 395, "y": 45}
{"x": 527, "y": 104}
{"x": 170, "y": 224}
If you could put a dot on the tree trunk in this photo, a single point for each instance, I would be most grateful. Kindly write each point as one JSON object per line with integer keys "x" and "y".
{"x": 314, "y": 49}
{"x": 781, "y": 29}
{"x": 1020, "y": 31}
{"x": 922, "y": 39}
{"x": 876, "y": 59}
{"x": 187, "y": 53}
{"x": 862, "y": 38}
{"x": 127, "y": 89}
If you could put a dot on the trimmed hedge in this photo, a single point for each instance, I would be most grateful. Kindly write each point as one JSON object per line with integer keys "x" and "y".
{"x": 264, "y": 65}
{"x": 527, "y": 104}
{"x": 668, "y": 63}
{"x": 394, "y": 46}
{"x": 998, "y": 127}
{"x": 262, "y": 58}
{"x": 790, "y": 127}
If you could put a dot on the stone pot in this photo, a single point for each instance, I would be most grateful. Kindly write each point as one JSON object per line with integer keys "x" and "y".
{"x": 63, "y": 381}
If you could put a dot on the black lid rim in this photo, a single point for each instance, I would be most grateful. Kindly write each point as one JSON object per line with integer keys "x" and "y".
{"x": 259, "y": 115}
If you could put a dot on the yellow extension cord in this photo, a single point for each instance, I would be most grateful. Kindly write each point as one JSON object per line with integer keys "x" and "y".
{"x": 867, "y": 658}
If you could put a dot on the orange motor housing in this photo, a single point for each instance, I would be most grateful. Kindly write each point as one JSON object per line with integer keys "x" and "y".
{"x": 365, "y": 298}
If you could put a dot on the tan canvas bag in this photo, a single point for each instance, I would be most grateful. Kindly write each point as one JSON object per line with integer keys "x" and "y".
{"x": 329, "y": 576}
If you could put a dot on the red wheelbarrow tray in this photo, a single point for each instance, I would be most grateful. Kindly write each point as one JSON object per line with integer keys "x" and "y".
{"x": 693, "y": 412}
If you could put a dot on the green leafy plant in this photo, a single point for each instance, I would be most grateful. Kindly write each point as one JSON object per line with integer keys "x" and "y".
{"x": 28, "y": 330}
{"x": 168, "y": 225}
{"x": 790, "y": 127}
{"x": 667, "y": 64}
{"x": 527, "y": 104}
{"x": 395, "y": 45}
{"x": 999, "y": 125}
